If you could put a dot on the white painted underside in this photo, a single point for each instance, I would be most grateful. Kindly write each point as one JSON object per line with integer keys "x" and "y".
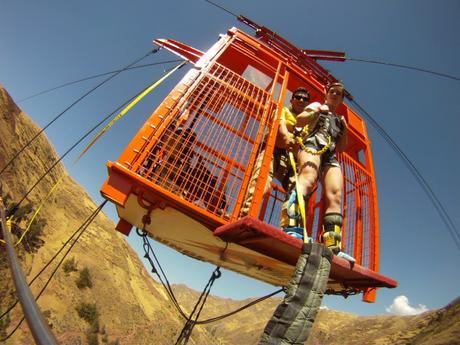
{"x": 193, "y": 239}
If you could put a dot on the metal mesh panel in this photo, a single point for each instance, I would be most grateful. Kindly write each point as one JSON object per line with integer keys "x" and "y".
{"x": 270, "y": 211}
{"x": 202, "y": 157}
{"x": 358, "y": 215}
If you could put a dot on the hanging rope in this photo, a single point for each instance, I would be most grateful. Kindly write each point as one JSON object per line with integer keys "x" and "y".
{"x": 75, "y": 145}
{"x": 70, "y": 106}
{"x": 94, "y": 77}
{"x": 250, "y": 304}
{"x": 447, "y": 220}
{"x": 9, "y": 220}
{"x": 81, "y": 230}
{"x": 128, "y": 108}
{"x": 77, "y": 233}
{"x": 16, "y": 206}
{"x": 50, "y": 193}
{"x": 186, "y": 332}
{"x": 37, "y": 324}
{"x": 149, "y": 252}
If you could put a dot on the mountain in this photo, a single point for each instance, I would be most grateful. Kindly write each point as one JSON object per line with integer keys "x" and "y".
{"x": 104, "y": 279}
{"x": 436, "y": 327}
{"x": 132, "y": 307}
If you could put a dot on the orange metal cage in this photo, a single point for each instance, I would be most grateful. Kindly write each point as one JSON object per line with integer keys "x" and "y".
{"x": 197, "y": 151}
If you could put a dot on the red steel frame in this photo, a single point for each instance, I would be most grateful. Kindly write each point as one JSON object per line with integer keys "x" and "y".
{"x": 230, "y": 104}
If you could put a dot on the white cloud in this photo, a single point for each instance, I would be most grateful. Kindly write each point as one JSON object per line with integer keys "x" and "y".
{"x": 324, "y": 307}
{"x": 401, "y": 306}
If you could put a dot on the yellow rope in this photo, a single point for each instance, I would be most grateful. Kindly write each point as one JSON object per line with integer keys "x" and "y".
{"x": 314, "y": 152}
{"x": 128, "y": 108}
{"x": 96, "y": 137}
{"x": 51, "y": 192}
{"x": 9, "y": 220}
{"x": 300, "y": 199}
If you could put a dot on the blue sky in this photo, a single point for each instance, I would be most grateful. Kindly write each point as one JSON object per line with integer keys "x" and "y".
{"x": 47, "y": 43}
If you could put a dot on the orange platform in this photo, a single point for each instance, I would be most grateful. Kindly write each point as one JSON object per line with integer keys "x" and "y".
{"x": 266, "y": 239}
{"x": 185, "y": 176}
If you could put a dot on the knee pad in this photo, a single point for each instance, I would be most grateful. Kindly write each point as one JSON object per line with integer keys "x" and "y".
{"x": 332, "y": 231}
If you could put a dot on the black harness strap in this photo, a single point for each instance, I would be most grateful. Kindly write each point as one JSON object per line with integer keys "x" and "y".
{"x": 288, "y": 311}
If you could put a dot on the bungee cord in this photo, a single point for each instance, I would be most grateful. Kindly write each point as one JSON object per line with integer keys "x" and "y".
{"x": 83, "y": 138}
{"x": 78, "y": 233}
{"x": 447, "y": 220}
{"x": 70, "y": 106}
{"x": 95, "y": 77}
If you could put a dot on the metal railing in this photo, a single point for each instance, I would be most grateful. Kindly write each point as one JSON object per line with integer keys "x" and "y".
{"x": 37, "y": 323}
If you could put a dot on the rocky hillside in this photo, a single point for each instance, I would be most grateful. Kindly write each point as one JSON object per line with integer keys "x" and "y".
{"x": 130, "y": 305}
{"x": 438, "y": 327}
{"x": 103, "y": 295}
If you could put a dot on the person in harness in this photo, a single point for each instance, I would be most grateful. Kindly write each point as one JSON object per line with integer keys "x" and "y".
{"x": 319, "y": 132}
{"x": 280, "y": 168}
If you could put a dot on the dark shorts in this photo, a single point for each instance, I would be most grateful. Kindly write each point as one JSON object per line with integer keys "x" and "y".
{"x": 327, "y": 158}
{"x": 282, "y": 169}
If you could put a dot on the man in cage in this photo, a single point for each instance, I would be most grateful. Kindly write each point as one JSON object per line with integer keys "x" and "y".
{"x": 280, "y": 167}
{"x": 320, "y": 133}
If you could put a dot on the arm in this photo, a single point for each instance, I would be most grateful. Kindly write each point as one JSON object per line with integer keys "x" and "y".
{"x": 284, "y": 139}
{"x": 310, "y": 115}
{"x": 306, "y": 118}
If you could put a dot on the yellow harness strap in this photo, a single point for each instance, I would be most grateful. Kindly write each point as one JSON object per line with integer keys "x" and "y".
{"x": 300, "y": 199}
{"x": 50, "y": 193}
{"x": 299, "y": 138}
{"x": 128, "y": 108}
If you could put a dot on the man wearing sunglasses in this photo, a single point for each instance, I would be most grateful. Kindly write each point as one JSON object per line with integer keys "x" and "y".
{"x": 280, "y": 167}
{"x": 316, "y": 159}
{"x": 299, "y": 102}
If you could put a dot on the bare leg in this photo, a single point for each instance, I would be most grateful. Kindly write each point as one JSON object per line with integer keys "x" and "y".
{"x": 307, "y": 167}
{"x": 308, "y": 170}
{"x": 332, "y": 222}
{"x": 333, "y": 187}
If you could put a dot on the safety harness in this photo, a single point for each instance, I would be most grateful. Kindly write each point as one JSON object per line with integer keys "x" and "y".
{"x": 299, "y": 135}
{"x": 332, "y": 223}
{"x": 293, "y": 319}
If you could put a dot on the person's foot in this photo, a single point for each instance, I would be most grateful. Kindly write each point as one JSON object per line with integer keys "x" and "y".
{"x": 346, "y": 256}
{"x": 294, "y": 231}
